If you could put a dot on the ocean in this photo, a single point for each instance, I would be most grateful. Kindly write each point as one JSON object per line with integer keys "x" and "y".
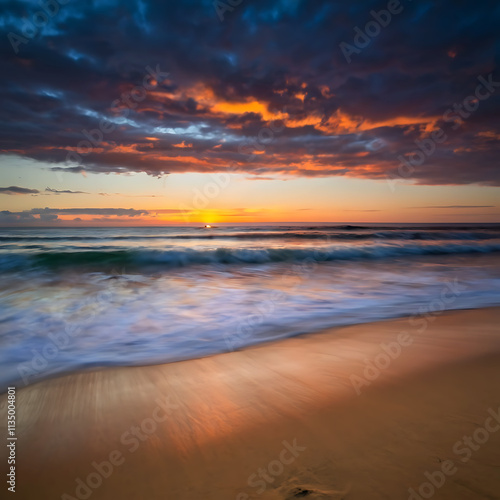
{"x": 79, "y": 298}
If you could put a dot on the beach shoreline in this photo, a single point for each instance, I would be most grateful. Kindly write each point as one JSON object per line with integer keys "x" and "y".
{"x": 363, "y": 411}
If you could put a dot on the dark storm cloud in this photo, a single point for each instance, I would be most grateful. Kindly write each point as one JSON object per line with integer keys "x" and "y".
{"x": 164, "y": 86}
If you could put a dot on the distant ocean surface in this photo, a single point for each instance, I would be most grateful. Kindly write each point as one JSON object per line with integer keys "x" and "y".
{"x": 88, "y": 297}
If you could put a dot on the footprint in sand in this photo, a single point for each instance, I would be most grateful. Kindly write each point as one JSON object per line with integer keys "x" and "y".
{"x": 315, "y": 494}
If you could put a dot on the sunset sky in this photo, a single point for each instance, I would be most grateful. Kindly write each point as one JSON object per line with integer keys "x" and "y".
{"x": 158, "y": 112}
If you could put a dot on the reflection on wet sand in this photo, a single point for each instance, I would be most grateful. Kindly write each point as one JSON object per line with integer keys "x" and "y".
{"x": 214, "y": 428}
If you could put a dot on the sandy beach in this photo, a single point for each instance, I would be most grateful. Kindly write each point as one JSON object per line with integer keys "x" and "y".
{"x": 250, "y": 250}
{"x": 360, "y": 412}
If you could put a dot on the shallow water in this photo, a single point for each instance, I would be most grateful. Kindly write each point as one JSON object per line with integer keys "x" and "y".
{"x": 78, "y": 298}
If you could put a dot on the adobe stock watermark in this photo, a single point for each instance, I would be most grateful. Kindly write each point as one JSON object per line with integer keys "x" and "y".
{"x": 363, "y": 38}
{"x": 31, "y": 28}
{"x": 373, "y": 368}
{"x": 221, "y": 180}
{"x": 122, "y": 106}
{"x": 132, "y": 439}
{"x": 211, "y": 190}
{"x": 57, "y": 342}
{"x": 267, "y": 475}
{"x": 456, "y": 116}
{"x": 434, "y": 308}
{"x": 465, "y": 448}
{"x": 393, "y": 350}
{"x": 221, "y": 7}
{"x": 297, "y": 273}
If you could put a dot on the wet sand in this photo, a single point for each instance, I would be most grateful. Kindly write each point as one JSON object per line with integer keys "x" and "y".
{"x": 330, "y": 415}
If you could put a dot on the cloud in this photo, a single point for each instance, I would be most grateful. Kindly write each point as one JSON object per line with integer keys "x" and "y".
{"x": 15, "y": 190}
{"x": 133, "y": 195}
{"x": 120, "y": 212}
{"x": 37, "y": 215}
{"x": 48, "y": 217}
{"x": 7, "y": 217}
{"x": 168, "y": 211}
{"x": 458, "y": 206}
{"x": 64, "y": 191}
{"x": 249, "y": 95}
{"x": 262, "y": 178}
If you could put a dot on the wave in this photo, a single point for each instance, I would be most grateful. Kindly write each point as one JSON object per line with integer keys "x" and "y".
{"x": 347, "y": 236}
{"x": 181, "y": 257}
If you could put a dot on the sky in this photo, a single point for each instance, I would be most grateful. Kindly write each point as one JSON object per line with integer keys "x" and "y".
{"x": 151, "y": 112}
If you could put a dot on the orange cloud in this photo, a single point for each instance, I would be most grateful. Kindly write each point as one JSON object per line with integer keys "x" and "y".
{"x": 205, "y": 97}
{"x": 341, "y": 122}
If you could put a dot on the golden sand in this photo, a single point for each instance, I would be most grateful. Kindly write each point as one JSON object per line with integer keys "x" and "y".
{"x": 326, "y": 416}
